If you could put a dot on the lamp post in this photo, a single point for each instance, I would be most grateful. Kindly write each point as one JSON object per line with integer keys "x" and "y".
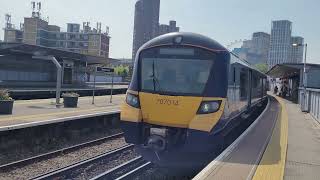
{"x": 304, "y": 74}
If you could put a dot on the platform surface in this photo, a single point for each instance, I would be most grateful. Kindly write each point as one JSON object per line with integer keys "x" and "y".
{"x": 28, "y": 112}
{"x": 299, "y": 157}
{"x": 240, "y": 159}
{"x": 292, "y": 152}
{"x": 272, "y": 163}
{"x": 98, "y": 86}
{"x": 303, "y": 154}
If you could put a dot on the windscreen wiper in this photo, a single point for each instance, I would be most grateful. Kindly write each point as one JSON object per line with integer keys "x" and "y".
{"x": 155, "y": 79}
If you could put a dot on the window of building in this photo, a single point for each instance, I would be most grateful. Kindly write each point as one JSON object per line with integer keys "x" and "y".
{"x": 72, "y": 36}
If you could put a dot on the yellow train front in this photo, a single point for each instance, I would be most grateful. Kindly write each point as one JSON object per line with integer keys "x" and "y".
{"x": 187, "y": 93}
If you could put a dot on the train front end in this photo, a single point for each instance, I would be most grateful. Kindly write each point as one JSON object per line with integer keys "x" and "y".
{"x": 176, "y": 99}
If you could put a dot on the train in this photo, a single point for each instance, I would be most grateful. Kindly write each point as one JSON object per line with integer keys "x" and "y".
{"x": 188, "y": 93}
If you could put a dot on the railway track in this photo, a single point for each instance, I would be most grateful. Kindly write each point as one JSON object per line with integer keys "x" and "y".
{"x": 127, "y": 170}
{"x": 34, "y": 159}
{"x": 92, "y": 166}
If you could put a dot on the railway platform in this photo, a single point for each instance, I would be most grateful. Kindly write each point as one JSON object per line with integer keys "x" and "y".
{"x": 46, "y": 93}
{"x": 283, "y": 143}
{"x": 28, "y": 113}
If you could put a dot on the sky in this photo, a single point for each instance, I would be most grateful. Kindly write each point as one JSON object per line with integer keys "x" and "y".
{"x": 225, "y": 21}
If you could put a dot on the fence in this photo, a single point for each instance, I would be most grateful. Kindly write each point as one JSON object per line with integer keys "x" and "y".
{"x": 310, "y": 102}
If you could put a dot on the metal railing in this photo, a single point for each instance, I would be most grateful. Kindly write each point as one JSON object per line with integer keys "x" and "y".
{"x": 310, "y": 102}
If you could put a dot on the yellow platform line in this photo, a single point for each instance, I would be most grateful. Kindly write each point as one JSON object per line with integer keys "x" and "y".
{"x": 273, "y": 161}
{"x": 44, "y": 115}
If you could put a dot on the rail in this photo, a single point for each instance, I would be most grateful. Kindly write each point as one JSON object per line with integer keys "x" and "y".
{"x": 52, "y": 154}
{"x": 65, "y": 171}
{"x": 126, "y": 170}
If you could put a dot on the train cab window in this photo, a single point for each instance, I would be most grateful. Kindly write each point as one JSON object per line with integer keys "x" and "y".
{"x": 175, "y": 70}
{"x": 174, "y": 75}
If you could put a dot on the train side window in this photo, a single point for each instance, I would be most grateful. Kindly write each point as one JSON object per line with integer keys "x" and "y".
{"x": 244, "y": 84}
{"x": 234, "y": 75}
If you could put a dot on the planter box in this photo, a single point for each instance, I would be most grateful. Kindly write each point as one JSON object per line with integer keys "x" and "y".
{"x": 70, "y": 102}
{"x": 6, "y": 107}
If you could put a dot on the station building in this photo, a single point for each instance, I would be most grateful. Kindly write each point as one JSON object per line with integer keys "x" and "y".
{"x": 36, "y": 30}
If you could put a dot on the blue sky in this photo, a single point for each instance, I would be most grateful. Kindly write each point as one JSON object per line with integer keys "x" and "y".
{"x": 224, "y": 21}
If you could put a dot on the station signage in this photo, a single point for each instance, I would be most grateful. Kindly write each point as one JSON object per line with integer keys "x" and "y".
{"x": 104, "y": 69}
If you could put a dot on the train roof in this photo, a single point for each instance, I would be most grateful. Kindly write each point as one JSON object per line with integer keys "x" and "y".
{"x": 194, "y": 39}
{"x": 243, "y": 62}
{"x": 187, "y": 39}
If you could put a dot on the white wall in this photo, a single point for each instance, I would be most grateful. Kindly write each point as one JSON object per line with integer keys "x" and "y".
{"x": 101, "y": 78}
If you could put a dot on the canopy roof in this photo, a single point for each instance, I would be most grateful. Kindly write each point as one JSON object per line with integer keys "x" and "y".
{"x": 288, "y": 69}
{"x": 35, "y": 50}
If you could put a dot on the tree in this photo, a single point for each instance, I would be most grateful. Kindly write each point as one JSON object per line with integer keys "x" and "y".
{"x": 262, "y": 67}
{"x": 125, "y": 72}
{"x": 121, "y": 70}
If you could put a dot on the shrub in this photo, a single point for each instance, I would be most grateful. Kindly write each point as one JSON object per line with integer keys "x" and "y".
{"x": 4, "y": 95}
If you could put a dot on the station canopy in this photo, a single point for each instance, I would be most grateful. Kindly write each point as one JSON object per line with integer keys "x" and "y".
{"x": 284, "y": 70}
{"x": 35, "y": 50}
{"x": 288, "y": 70}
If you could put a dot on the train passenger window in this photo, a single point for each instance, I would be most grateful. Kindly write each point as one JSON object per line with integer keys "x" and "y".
{"x": 256, "y": 87}
{"x": 244, "y": 84}
{"x": 234, "y": 75}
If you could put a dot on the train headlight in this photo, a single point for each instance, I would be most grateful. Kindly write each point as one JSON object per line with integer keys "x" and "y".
{"x": 133, "y": 100}
{"x": 207, "y": 107}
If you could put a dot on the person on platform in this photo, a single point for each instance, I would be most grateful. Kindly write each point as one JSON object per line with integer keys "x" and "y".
{"x": 275, "y": 90}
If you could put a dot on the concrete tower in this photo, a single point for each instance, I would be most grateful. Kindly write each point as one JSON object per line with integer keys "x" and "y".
{"x": 280, "y": 43}
{"x": 146, "y": 23}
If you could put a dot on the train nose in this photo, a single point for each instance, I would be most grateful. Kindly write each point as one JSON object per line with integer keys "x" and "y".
{"x": 156, "y": 143}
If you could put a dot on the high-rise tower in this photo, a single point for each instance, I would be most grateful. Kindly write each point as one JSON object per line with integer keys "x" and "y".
{"x": 146, "y": 23}
{"x": 297, "y": 51}
{"x": 280, "y": 43}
